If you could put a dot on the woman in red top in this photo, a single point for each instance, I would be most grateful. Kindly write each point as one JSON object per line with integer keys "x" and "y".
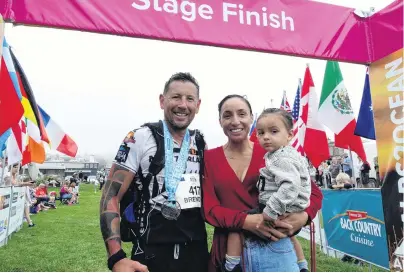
{"x": 41, "y": 195}
{"x": 229, "y": 189}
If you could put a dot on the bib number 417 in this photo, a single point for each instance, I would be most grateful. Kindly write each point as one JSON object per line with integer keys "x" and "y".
{"x": 195, "y": 190}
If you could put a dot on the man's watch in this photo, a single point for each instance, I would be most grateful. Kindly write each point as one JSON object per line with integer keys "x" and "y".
{"x": 116, "y": 257}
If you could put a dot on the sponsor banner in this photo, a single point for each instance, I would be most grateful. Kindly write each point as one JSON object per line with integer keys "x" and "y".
{"x": 17, "y": 209}
{"x": 387, "y": 86}
{"x": 354, "y": 224}
{"x": 4, "y": 211}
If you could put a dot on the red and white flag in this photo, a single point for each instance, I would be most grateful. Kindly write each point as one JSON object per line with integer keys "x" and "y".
{"x": 312, "y": 131}
{"x": 16, "y": 143}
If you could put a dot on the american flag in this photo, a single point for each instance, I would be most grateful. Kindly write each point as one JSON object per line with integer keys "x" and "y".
{"x": 296, "y": 105}
{"x": 296, "y": 122}
{"x": 285, "y": 104}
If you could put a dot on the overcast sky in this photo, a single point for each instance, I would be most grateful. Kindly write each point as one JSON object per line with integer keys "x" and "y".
{"x": 98, "y": 87}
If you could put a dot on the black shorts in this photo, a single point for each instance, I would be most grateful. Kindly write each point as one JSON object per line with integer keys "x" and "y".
{"x": 191, "y": 257}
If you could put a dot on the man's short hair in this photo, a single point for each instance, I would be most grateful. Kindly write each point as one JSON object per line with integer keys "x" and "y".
{"x": 183, "y": 77}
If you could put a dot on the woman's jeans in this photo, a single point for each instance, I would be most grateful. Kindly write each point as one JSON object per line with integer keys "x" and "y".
{"x": 261, "y": 256}
{"x": 67, "y": 196}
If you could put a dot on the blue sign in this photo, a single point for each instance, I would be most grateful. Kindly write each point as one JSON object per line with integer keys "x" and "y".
{"x": 354, "y": 224}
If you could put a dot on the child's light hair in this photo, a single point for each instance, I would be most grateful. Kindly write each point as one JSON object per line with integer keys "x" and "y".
{"x": 342, "y": 178}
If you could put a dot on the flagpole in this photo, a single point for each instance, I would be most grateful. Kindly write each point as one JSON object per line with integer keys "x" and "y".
{"x": 352, "y": 168}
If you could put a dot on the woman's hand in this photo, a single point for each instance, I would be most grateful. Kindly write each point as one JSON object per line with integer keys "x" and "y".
{"x": 256, "y": 224}
{"x": 295, "y": 220}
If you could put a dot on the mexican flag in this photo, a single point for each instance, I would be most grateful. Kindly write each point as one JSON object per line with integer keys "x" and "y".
{"x": 335, "y": 110}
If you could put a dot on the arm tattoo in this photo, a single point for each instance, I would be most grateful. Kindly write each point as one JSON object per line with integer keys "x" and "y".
{"x": 117, "y": 183}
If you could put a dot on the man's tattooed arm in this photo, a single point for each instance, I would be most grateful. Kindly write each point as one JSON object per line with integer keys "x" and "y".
{"x": 117, "y": 184}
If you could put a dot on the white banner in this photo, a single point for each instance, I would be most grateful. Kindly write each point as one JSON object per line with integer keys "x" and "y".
{"x": 5, "y": 200}
{"x": 17, "y": 208}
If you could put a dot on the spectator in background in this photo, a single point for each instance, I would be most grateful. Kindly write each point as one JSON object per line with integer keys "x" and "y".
{"x": 41, "y": 194}
{"x": 12, "y": 179}
{"x": 334, "y": 169}
{"x": 346, "y": 165}
{"x": 102, "y": 181}
{"x": 51, "y": 182}
{"x": 364, "y": 175}
{"x": 80, "y": 178}
{"x": 73, "y": 191}
{"x": 96, "y": 184}
{"x": 36, "y": 207}
{"x": 343, "y": 181}
{"x": 376, "y": 162}
{"x": 339, "y": 160}
{"x": 325, "y": 177}
{"x": 73, "y": 180}
{"x": 312, "y": 170}
{"x": 3, "y": 171}
{"x": 76, "y": 182}
{"x": 28, "y": 203}
{"x": 52, "y": 200}
{"x": 357, "y": 168}
{"x": 65, "y": 193}
{"x": 12, "y": 175}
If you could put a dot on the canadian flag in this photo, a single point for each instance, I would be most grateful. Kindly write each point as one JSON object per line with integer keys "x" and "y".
{"x": 315, "y": 143}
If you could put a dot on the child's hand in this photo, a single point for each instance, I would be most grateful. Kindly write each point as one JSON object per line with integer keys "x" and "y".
{"x": 269, "y": 222}
{"x": 283, "y": 216}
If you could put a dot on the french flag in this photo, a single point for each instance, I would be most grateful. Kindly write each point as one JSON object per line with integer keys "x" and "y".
{"x": 59, "y": 140}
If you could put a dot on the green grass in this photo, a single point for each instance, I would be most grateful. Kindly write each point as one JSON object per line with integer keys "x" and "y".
{"x": 69, "y": 239}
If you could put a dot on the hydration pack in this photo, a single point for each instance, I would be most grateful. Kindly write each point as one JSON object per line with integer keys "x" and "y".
{"x": 135, "y": 204}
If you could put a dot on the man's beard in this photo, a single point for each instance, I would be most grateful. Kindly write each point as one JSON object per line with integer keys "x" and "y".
{"x": 176, "y": 127}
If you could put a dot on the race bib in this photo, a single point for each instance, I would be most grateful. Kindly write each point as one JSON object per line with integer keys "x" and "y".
{"x": 188, "y": 193}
